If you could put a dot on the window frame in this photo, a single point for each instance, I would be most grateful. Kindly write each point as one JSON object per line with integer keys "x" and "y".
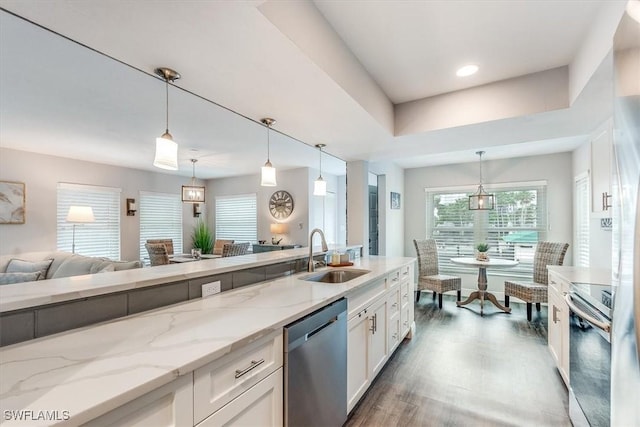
{"x": 154, "y": 203}
{"x": 221, "y": 223}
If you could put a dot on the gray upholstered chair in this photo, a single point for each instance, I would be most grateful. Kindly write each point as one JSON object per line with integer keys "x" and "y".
{"x": 547, "y": 253}
{"x": 233, "y": 249}
{"x": 219, "y": 245}
{"x": 157, "y": 253}
{"x": 429, "y": 277}
{"x": 168, "y": 243}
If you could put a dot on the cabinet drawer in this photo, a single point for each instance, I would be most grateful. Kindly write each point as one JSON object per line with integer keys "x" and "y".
{"x": 394, "y": 300}
{"x": 394, "y": 331}
{"x": 558, "y": 284}
{"x": 361, "y": 298}
{"x": 216, "y": 384}
{"x": 261, "y": 405}
{"x": 405, "y": 294}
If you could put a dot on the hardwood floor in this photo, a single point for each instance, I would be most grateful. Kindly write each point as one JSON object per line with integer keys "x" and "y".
{"x": 461, "y": 369}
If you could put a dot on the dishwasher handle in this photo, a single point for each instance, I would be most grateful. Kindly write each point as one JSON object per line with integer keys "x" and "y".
{"x": 320, "y": 328}
{"x": 589, "y": 318}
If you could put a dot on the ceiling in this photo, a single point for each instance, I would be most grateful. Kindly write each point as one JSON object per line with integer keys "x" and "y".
{"x": 329, "y": 72}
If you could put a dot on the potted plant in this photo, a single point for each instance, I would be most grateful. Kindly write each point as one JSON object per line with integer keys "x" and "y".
{"x": 202, "y": 237}
{"x": 482, "y": 249}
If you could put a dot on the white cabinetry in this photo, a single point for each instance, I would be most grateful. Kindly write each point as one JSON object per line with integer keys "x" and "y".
{"x": 601, "y": 161}
{"x": 558, "y": 327}
{"x": 169, "y": 405}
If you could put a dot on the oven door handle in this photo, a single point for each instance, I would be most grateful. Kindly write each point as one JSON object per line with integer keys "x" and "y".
{"x": 595, "y": 322}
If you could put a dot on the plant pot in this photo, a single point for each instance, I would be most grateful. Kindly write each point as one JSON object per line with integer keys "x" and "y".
{"x": 482, "y": 256}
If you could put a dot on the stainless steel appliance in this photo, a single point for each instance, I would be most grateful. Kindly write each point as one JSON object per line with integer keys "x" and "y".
{"x": 625, "y": 339}
{"x": 315, "y": 362}
{"x": 590, "y": 354}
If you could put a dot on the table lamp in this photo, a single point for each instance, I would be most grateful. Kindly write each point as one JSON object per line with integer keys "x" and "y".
{"x": 79, "y": 215}
{"x": 277, "y": 228}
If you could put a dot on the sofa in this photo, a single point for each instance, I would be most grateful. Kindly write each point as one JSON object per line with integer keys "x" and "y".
{"x": 32, "y": 266}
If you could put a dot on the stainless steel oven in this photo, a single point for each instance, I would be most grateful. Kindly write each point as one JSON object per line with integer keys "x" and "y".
{"x": 590, "y": 355}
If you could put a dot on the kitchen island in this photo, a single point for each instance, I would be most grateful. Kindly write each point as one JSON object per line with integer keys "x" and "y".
{"x": 85, "y": 373}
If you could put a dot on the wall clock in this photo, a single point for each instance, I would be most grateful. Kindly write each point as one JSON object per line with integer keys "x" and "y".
{"x": 281, "y": 204}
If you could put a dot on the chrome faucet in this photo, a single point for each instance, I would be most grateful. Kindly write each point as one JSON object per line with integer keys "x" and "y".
{"x": 312, "y": 266}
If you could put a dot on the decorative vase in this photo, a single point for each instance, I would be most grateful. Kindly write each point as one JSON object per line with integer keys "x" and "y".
{"x": 482, "y": 256}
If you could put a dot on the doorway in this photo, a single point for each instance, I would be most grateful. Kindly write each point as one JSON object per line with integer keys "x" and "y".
{"x": 373, "y": 214}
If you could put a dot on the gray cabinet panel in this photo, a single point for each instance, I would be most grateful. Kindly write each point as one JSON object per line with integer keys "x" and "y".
{"x": 62, "y": 317}
{"x": 16, "y": 327}
{"x": 280, "y": 270}
{"x": 248, "y": 277}
{"x": 158, "y": 296}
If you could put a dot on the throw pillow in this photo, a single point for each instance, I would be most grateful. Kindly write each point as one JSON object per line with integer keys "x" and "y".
{"x": 126, "y": 265}
{"x": 9, "y": 278}
{"x": 22, "y": 266}
{"x": 77, "y": 265}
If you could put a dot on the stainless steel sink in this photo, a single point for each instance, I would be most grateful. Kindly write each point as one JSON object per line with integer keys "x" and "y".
{"x": 336, "y": 276}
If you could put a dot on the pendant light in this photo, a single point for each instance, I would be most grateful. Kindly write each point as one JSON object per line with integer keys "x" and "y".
{"x": 320, "y": 185}
{"x": 166, "y": 147}
{"x": 481, "y": 200}
{"x": 193, "y": 193}
{"x": 268, "y": 171}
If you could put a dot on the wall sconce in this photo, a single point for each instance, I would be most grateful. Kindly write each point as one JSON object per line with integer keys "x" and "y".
{"x": 131, "y": 207}
{"x": 197, "y": 210}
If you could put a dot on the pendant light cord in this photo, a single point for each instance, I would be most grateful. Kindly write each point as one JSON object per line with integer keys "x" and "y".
{"x": 320, "y": 162}
{"x": 268, "y": 143}
{"x": 167, "y": 99}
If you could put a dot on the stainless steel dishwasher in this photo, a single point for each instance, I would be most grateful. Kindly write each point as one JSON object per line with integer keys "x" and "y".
{"x": 315, "y": 362}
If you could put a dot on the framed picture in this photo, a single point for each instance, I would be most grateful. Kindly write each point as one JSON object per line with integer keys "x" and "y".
{"x": 12, "y": 201}
{"x": 395, "y": 200}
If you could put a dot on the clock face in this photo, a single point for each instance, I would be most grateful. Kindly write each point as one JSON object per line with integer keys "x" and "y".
{"x": 281, "y": 204}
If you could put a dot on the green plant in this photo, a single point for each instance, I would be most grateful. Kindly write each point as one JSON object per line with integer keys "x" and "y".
{"x": 202, "y": 237}
{"x": 482, "y": 247}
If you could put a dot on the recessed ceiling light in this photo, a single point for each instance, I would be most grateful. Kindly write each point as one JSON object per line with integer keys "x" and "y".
{"x": 467, "y": 70}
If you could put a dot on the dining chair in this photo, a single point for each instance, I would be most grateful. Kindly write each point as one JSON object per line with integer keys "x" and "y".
{"x": 547, "y": 253}
{"x": 234, "y": 249}
{"x": 168, "y": 243}
{"x": 219, "y": 245}
{"x": 157, "y": 253}
{"x": 429, "y": 277}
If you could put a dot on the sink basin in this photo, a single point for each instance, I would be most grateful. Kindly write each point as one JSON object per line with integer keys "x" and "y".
{"x": 336, "y": 276}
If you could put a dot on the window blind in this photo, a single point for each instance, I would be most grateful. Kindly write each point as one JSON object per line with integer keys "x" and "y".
{"x": 99, "y": 238}
{"x": 237, "y": 218}
{"x": 160, "y": 218}
{"x": 512, "y": 229}
{"x": 581, "y": 238}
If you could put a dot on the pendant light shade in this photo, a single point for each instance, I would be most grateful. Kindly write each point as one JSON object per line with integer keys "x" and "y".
{"x": 268, "y": 174}
{"x": 320, "y": 185}
{"x": 193, "y": 193}
{"x": 481, "y": 200}
{"x": 166, "y": 148}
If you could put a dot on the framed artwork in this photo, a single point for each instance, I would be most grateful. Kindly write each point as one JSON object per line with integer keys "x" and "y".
{"x": 395, "y": 200}
{"x": 12, "y": 199}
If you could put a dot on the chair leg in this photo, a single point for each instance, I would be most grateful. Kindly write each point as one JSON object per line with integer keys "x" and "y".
{"x": 529, "y": 307}
{"x": 418, "y": 296}
{"x": 434, "y": 296}
{"x": 537, "y": 306}
{"x": 440, "y": 301}
{"x": 459, "y": 295}
{"x": 506, "y": 300}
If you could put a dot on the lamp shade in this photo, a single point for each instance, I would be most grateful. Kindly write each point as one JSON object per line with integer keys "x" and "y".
{"x": 80, "y": 214}
{"x": 268, "y": 175}
{"x": 278, "y": 228}
{"x": 481, "y": 200}
{"x": 320, "y": 187}
{"x": 192, "y": 194}
{"x": 166, "y": 153}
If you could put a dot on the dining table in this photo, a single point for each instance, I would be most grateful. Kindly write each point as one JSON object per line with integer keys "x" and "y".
{"x": 179, "y": 258}
{"x": 482, "y": 294}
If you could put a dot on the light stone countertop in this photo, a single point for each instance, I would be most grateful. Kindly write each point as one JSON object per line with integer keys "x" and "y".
{"x": 90, "y": 371}
{"x": 594, "y": 276}
{"x": 24, "y": 295}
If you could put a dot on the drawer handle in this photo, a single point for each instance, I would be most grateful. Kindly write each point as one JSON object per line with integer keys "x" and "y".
{"x": 254, "y": 364}
{"x": 395, "y": 279}
{"x": 553, "y": 283}
{"x": 405, "y": 273}
{"x": 555, "y": 314}
{"x": 405, "y": 323}
{"x": 394, "y": 336}
{"x": 395, "y": 304}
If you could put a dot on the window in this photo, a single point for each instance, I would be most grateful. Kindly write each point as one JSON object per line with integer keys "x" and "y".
{"x": 237, "y": 218}
{"x": 582, "y": 209}
{"x": 160, "y": 218}
{"x": 512, "y": 229}
{"x": 99, "y": 238}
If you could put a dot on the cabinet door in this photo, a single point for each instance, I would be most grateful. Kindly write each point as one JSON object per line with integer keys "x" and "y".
{"x": 378, "y": 336}
{"x": 169, "y": 405}
{"x": 358, "y": 378}
{"x": 261, "y": 405}
{"x": 558, "y": 331}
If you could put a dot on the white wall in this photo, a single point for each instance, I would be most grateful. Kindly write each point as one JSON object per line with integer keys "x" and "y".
{"x": 358, "y": 204}
{"x": 41, "y": 174}
{"x": 556, "y": 169}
